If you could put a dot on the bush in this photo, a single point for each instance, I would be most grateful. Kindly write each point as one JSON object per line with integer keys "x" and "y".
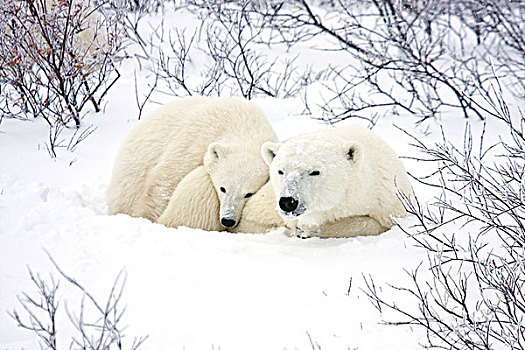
{"x": 56, "y": 58}
{"x": 42, "y": 315}
{"x": 402, "y": 57}
{"x": 473, "y": 294}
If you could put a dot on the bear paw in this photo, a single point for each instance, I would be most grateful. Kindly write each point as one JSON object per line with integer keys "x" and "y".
{"x": 307, "y": 231}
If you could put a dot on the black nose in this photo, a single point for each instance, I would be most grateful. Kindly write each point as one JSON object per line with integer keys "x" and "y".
{"x": 288, "y": 204}
{"x": 227, "y": 222}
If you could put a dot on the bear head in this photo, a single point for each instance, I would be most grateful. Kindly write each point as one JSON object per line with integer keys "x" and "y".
{"x": 311, "y": 176}
{"x": 236, "y": 175}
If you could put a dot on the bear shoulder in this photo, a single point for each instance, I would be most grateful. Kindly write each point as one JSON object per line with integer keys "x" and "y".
{"x": 193, "y": 203}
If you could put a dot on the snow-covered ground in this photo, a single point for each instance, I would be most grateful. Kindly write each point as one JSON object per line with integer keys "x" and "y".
{"x": 187, "y": 288}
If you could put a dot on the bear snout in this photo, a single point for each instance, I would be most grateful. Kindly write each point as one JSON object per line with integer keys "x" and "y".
{"x": 288, "y": 204}
{"x": 228, "y": 222}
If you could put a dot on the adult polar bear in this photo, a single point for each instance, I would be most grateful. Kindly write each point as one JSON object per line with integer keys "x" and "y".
{"x": 90, "y": 33}
{"x": 260, "y": 215}
{"x": 217, "y": 140}
{"x": 343, "y": 182}
{"x": 334, "y": 174}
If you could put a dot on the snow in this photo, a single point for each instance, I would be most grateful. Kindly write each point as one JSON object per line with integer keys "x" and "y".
{"x": 187, "y": 288}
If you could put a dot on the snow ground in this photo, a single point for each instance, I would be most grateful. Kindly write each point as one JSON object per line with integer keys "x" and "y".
{"x": 186, "y": 288}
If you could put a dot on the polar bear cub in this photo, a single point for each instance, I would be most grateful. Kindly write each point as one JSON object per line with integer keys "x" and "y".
{"x": 199, "y": 137}
{"x": 336, "y": 173}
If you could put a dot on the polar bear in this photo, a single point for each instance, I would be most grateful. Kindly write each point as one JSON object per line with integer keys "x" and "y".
{"x": 89, "y": 32}
{"x": 260, "y": 215}
{"x": 194, "y": 203}
{"x": 199, "y": 137}
{"x": 336, "y": 173}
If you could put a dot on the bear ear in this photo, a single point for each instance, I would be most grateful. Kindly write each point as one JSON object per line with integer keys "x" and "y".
{"x": 216, "y": 150}
{"x": 269, "y": 151}
{"x": 353, "y": 152}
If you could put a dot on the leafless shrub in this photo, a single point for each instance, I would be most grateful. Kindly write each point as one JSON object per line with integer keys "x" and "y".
{"x": 224, "y": 55}
{"x": 56, "y": 58}
{"x": 135, "y": 13}
{"x": 471, "y": 292}
{"x": 41, "y": 315}
{"x": 141, "y": 103}
{"x": 44, "y": 304}
{"x": 404, "y": 57}
{"x": 70, "y": 142}
{"x": 235, "y": 35}
{"x": 500, "y": 32}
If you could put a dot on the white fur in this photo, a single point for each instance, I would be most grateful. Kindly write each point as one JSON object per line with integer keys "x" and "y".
{"x": 194, "y": 203}
{"x": 260, "y": 215}
{"x": 92, "y": 34}
{"x": 222, "y": 135}
{"x": 358, "y": 177}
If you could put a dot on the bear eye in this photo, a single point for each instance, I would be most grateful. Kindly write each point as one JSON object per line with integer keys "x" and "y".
{"x": 314, "y": 173}
{"x": 280, "y": 172}
{"x": 223, "y": 190}
{"x": 248, "y": 195}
